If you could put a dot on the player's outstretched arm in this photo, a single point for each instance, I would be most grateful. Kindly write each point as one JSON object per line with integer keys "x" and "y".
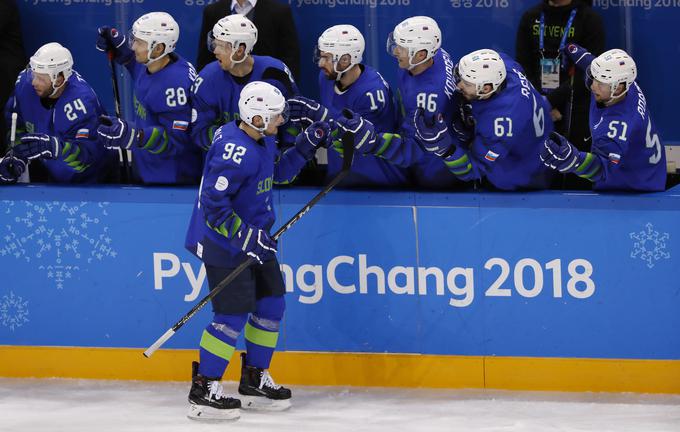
{"x": 293, "y": 159}
{"x": 561, "y": 155}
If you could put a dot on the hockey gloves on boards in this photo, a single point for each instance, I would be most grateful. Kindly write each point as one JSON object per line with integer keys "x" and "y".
{"x": 558, "y": 153}
{"x": 254, "y": 242}
{"x": 116, "y": 133}
{"x": 432, "y": 133}
{"x": 365, "y": 139}
{"x": 11, "y": 169}
{"x": 35, "y": 146}
{"x": 315, "y": 136}
{"x": 306, "y": 111}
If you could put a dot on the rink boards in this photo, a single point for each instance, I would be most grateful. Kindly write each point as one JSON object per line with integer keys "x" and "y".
{"x": 543, "y": 290}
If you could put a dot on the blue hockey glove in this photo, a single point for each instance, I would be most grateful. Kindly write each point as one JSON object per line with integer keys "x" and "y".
{"x": 558, "y": 153}
{"x": 109, "y": 39}
{"x": 11, "y": 169}
{"x": 365, "y": 139}
{"x": 35, "y": 146}
{"x": 432, "y": 133}
{"x": 116, "y": 133}
{"x": 306, "y": 111}
{"x": 577, "y": 55}
{"x": 254, "y": 242}
{"x": 315, "y": 136}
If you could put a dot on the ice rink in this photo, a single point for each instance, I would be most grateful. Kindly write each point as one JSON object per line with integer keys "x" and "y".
{"x": 32, "y": 405}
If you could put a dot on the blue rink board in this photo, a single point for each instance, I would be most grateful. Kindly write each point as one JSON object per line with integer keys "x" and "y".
{"x": 540, "y": 274}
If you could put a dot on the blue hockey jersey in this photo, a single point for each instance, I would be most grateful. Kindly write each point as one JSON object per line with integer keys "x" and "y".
{"x": 626, "y": 141}
{"x": 73, "y": 118}
{"x": 511, "y": 127}
{"x": 371, "y": 97}
{"x": 215, "y": 95}
{"x": 431, "y": 90}
{"x": 236, "y": 187}
{"x": 163, "y": 111}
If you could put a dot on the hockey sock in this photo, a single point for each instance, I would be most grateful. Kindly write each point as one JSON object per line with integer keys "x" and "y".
{"x": 262, "y": 331}
{"x": 218, "y": 343}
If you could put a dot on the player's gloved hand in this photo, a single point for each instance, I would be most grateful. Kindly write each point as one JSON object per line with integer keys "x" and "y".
{"x": 109, "y": 39}
{"x": 35, "y": 146}
{"x": 558, "y": 153}
{"x": 316, "y": 135}
{"x": 576, "y": 53}
{"x": 116, "y": 133}
{"x": 365, "y": 139}
{"x": 432, "y": 133}
{"x": 306, "y": 111}
{"x": 11, "y": 169}
{"x": 254, "y": 242}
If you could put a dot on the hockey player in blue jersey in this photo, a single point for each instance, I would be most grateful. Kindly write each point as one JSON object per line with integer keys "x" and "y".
{"x": 215, "y": 94}
{"x": 162, "y": 152}
{"x": 425, "y": 79}
{"x": 231, "y": 221}
{"x": 510, "y": 124}
{"x": 626, "y": 152}
{"x": 344, "y": 82}
{"x": 57, "y": 113}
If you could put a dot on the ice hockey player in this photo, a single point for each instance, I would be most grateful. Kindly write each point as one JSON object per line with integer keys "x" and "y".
{"x": 344, "y": 82}
{"x": 231, "y": 222}
{"x": 511, "y": 121}
{"x": 216, "y": 91}
{"x": 57, "y": 113}
{"x": 159, "y": 139}
{"x": 626, "y": 152}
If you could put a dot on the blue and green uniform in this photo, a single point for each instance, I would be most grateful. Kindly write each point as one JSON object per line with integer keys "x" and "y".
{"x": 371, "y": 97}
{"x": 73, "y": 118}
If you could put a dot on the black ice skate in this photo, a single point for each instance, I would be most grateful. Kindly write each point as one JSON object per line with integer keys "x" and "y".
{"x": 259, "y": 391}
{"x": 207, "y": 400}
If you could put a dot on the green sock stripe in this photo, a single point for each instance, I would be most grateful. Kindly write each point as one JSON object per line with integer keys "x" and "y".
{"x": 211, "y": 133}
{"x": 585, "y": 164}
{"x": 293, "y": 131}
{"x": 215, "y": 346}
{"x": 462, "y": 171}
{"x": 337, "y": 146}
{"x": 235, "y": 225}
{"x": 163, "y": 147}
{"x": 152, "y": 139}
{"x": 261, "y": 337}
{"x": 387, "y": 139}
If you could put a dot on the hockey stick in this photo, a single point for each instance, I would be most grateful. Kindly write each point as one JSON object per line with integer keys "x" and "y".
{"x": 572, "y": 71}
{"x": 347, "y": 155}
{"x": 116, "y": 100}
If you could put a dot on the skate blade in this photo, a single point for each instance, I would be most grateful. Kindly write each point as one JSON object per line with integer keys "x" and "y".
{"x": 208, "y": 414}
{"x": 261, "y": 403}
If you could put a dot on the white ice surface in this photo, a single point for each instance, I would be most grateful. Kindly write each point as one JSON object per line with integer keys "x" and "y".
{"x": 55, "y": 405}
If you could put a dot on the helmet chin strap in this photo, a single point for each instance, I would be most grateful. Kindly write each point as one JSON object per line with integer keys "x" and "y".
{"x": 57, "y": 88}
{"x": 612, "y": 89}
{"x": 412, "y": 65}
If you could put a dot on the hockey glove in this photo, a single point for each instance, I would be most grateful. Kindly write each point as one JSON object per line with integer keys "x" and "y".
{"x": 306, "y": 111}
{"x": 109, "y": 39}
{"x": 315, "y": 136}
{"x": 365, "y": 139}
{"x": 463, "y": 123}
{"x": 116, "y": 133}
{"x": 558, "y": 153}
{"x": 35, "y": 146}
{"x": 432, "y": 133}
{"x": 11, "y": 169}
{"x": 578, "y": 55}
{"x": 254, "y": 242}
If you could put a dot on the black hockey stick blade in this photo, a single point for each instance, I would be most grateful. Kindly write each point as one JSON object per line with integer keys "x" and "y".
{"x": 348, "y": 154}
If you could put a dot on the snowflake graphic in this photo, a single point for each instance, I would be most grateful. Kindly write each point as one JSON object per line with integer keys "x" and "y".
{"x": 61, "y": 238}
{"x": 13, "y": 311}
{"x": 649, "y": 245}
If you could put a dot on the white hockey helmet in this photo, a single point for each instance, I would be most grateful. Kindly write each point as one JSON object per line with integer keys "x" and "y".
{"x": 480, "y": 68}
{"x": 340, "y": 40}
{"x": 259, "y": 98}
{"x": 415, "y": 34}
{"x": 155, "y": 28}
{"x": 52, "y": 59}
{"x": 237, "y": 30}
{"x": 614, "y": 67}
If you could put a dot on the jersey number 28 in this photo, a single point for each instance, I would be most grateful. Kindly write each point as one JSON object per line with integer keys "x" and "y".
{"x": 174, "y": 97}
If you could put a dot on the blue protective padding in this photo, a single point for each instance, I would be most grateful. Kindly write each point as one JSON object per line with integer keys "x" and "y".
{"x": 438, "y": 256}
